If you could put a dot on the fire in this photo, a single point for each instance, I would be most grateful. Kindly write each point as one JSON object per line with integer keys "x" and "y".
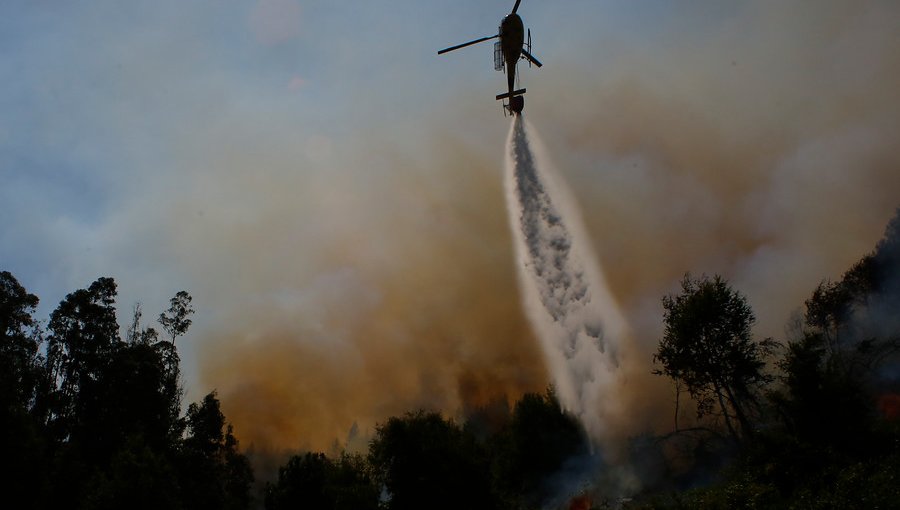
{"x": 889, "y": 405}
{"x": 582, "y": 502}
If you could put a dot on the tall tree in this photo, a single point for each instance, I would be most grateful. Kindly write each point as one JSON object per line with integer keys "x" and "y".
{"x": 175, "y": 320}
{"x": 83, "y": 336}
{"x": 19, "y": 343}
{"x": 167, "y": 356}
{"x": 21, "y": 377}
{"x": 708, "y": 346}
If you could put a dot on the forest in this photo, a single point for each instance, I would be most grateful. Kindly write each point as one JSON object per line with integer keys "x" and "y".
{"x": 93, "y": 416}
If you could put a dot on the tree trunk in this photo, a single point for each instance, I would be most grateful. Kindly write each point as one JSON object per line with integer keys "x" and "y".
{"x": 746, "y": 428}
{"x": 724, "y": 408}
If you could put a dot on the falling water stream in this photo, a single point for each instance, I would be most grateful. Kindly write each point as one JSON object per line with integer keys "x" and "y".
{"x": 563, "y": 290}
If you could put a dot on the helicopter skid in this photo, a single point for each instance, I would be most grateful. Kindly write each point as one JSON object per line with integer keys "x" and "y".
{"x": 510, "y": 94}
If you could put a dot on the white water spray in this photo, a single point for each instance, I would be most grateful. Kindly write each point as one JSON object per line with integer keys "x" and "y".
{"x": 563, "y": 291}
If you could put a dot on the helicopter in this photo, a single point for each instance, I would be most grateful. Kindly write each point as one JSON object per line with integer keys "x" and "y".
{"x": 510, "y": 48}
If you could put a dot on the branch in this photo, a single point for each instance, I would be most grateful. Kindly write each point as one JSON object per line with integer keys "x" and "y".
{"x": 689, "y": 432}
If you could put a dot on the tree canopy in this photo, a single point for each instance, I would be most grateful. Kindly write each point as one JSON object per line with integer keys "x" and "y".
{"x": 708, "y": 347}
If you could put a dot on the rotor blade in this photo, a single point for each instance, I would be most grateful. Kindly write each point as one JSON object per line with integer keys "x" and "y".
{"x": 531, "y": 58}
{"x": 516, "y": 7}
{"x": 463, "y": 45}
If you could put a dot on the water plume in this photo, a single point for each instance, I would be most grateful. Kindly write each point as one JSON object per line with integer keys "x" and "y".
{"x": 564, "y": 293}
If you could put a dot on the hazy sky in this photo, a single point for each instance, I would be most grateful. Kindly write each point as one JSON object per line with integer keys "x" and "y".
{"x": 329, "y": 189}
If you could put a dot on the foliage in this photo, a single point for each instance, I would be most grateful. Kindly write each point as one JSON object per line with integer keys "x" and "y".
{"x": 825, "y": 445}
{"x": 215, "y": 475}
{"x": 21, "y": 377}
{"x": 708, "y": 347}
{"x": 316, "y": 482}
{"x": 97, "y": 423}
{"x": 424, "y": 460}
{"x": 533, "y": 446}
{"x": 19, "y": 359}
{"x": 852, "y": 331}
{"x": 175, "y": 320}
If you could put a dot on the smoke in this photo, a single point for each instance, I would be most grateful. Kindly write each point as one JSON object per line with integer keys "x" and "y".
{"x": 882, "y": 319}
{"x": 563, "y": 292}
{"x": 760, "y": 148}
{"x": 869, "y": 329}
{"x": 339, "y": 215}
{"x": 411, "y": 308}
{"x": 376, "y": 277}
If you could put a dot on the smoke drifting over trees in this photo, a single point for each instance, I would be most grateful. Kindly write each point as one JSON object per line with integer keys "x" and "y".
{"x": 359, "y": 273}
{"x": 762, "y": 149}
{"x": 97, "y": 422}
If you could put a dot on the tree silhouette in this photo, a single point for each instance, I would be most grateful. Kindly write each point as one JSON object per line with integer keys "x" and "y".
{"x": 831, "y": 373}
{"x": 214, "y": 474}
{"x": 708, "y": 347}
{"x": 425, "y": 461}
{"x": 83, "y": 336}
{"x": 21, "y": 385}
{"x": 19, "y": 358}
{"x": 138, "y": 335}
{"x": 316, "y": 482}
{"x": 175, "y": 320}
{"x": 539, "y": 438}
{"x": 97, "y": 423}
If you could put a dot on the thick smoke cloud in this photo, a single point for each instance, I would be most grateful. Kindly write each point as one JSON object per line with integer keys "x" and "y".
{"x": 407, "y": 300}
{"x": 762, "y": 147}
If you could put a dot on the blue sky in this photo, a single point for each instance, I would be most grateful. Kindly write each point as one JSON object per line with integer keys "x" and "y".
{"x": 328, "y": 188}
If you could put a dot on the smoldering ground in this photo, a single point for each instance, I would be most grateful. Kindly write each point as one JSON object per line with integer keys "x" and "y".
{"x": 762, "y": 148}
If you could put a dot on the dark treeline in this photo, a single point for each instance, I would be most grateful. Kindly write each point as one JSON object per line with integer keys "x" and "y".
{"x": 92, "y": 420}
{"x": 424, "y": 460}
{"x": 816, "y": 428}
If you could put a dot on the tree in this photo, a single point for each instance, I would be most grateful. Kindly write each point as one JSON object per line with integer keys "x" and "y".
{"x": 352, "y": 485}
{"x": 84, "y": 334}
{"x": 425, "y": 461}
{"x": 301, "y": 484}
{"x": 539, "y": 438}
{"x": 856, "y": 317}
{"x": 214, "y": 474}
{"x": 708, "y": 347}
{"x": 97, "y": 423}
{"x": 167, "y": 356}
{"x": 316, "y": 482}
{"x": 21, "y": 385}
{"x": 138, "y": 335}
{"x": 115, "y": 411}
{"x": 175, "y": 320}
{"x": 833, "y": 372}
{"x": 19, "y": 358}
